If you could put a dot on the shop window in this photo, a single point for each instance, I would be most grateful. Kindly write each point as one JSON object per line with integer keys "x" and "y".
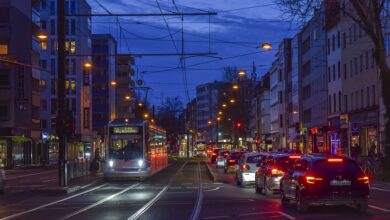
{"x": 3, "y": 49}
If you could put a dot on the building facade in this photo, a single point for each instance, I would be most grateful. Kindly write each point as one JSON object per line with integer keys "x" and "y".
{"x": 104, "y": 48}
{"x": 19, "y": 83}
{"x": 124, "y": 85}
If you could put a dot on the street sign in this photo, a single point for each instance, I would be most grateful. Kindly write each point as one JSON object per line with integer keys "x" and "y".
{"x": 355, "y": 129}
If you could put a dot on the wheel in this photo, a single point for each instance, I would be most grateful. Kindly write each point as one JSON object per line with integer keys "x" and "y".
{"x": 267, "y": 191}
{"x": 283, "y": 198}
{"x": 258, "y": 189}
{"x": 302, "y": 205}
{"x": 362, "y": 207}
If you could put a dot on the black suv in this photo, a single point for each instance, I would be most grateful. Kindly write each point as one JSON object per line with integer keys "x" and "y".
{"x": 318, "y": 179}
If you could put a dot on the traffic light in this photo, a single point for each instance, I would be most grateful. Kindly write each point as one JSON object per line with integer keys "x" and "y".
{"x": 238, "y": 124}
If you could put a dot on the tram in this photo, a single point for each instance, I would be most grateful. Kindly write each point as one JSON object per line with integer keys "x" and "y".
{"x": 136, "y": 149}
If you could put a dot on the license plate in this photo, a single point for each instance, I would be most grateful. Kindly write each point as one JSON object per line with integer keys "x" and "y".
{"x": 340, "y": 183}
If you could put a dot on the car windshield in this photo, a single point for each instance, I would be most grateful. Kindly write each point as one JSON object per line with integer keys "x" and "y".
{"x": 254, "y": 159}
{"x": 284, "y": 162}
{"x": 127, "y": 147}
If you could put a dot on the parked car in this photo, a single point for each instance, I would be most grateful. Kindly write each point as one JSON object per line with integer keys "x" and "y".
{"x": 232, "y": 160}
{"x": 221, "y": 159}
{"x": 245, "y": 174}
{"x": 325, "y": 180}
{"x": 214, "y": 155}
{"x": 271, "y": 170}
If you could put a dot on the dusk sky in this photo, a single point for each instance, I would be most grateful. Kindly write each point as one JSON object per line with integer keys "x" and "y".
{"x": 233, "y": 34}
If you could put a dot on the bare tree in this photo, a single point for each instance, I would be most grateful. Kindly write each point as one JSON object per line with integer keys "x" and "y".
{"x": 367, "y": 14}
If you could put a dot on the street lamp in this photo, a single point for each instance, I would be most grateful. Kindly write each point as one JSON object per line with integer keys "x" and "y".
{"x": 127, "y": 97}
{"x": 209, "y": 122}
{"x": 235, "y": 87}
{"x": 266, "y": 46}
{"x": 146, "y": 115}
{"x": 232, "y": 101}
{"x": 218, "y": 118}
{"x": 42, "y": 36}
{"x": 224, "y": 105}
{"x": 140, "y": 104}
{"x": 241, "y": 73}
{"x": 113, "y": 83}
{"x": 220, "y": 113}
{"x": 87, "y": 65}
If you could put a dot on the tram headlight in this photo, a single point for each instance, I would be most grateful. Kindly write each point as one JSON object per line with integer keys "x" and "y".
{"x": 111, "y": 163}
{"x": 140, "y": 163}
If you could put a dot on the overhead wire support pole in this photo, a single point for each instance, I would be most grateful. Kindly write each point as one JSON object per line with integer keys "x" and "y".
{"x": 144, "y": 14}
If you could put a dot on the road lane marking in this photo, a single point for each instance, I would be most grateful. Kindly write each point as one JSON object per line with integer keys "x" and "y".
{"x": 46, "y": 181}
{"x": 145, "y": 208}
{"x": 378, "y": 208}
{"x": 379, "y": 189}
{"x": 216, "y": 217}
{"x": 199, "y": 201}
{"x": 100, "y": 202}
{"x": 52, "y": 203}
{"x": 215, "y": 189}
{"x": 286, "y": 215}
{"x": 32, "y": 174}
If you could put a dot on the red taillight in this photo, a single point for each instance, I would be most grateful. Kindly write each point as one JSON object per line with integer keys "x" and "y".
{"x": 275, "y": 172}
{"x": 214, "y": 154}
{"x": 232, "y": 161}
{"x": 335, "y": 160}
{"x": 294, "y": 157}
{"x": 245, "y": 167}
{"x": 225, "y": 154}
{"x": 313, "y": 180}
{"x": 364, "y": 179}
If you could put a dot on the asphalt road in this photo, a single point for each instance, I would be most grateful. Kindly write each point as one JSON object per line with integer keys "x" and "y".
{"x": 182, "y": 191}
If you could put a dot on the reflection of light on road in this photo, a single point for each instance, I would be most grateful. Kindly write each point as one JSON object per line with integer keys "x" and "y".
{"x": 215, "y": 189}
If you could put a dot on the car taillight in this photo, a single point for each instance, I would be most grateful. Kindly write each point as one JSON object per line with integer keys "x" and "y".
{"x": 275, "y": 172}
{"x": 232, "y": 161}
{"x": 313, "y": 180}
{"x": 214, "y": 154}
{"x": 364, "y": 179}
{"x": 335, "y": 160}
{"x": 294, "y": 157}
{"x": 245, "y": 167}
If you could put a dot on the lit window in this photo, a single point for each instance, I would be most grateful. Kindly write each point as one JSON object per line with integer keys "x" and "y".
{"x": 73, "y": 86}
{"x": 73, "y": 47}
{"x": 3, "y": 49}
{"x": 43, "y": 45}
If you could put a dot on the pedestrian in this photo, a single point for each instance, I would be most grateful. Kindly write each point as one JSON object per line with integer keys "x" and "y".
{"x": 94, "y": 167}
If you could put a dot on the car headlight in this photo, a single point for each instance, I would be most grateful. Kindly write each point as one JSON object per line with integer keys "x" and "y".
{"x": 140, "y": 163}
{"x": 110, "y": 163}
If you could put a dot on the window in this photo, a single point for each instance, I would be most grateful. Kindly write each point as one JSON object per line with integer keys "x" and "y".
{"x": 340, "y": 102}
{"x": 4, "y": 15}
{"x": 53, "y": 47}
{"x": 42, "y": 84}
{"x": 3, "y": 49}
{"x": 4, "y": 111}
{"x": 352, "y": 104}
{"x": 328, "y": 45}
{"x": 338, "y": 39}
{"x": 360, "y": 31}
{"x": 372, "y": 58}
{"x": 338, "y": 70}
{"x": 334, "y": 102}
{"x": 368, "y": 97}
{"x": 345, "y": 71}
{"x": 43, "y": 24}
{"x": 21, "y": 86}
{"x": 4, "y": 77}
{"x": 334, "y": 72}
{"x": 350, "y": 35}
{"x": 86, "y": 78}
{"x": 361, "y": 98}
{"x": 72, "y": 66}
{"x": 43, "y": 4}
{"x": 361, "y": 62}
{"x": 350, "y": 68}
{"x": 73, "y": 86}
{"x": 373, "y": 95}
{"x": 346, "y": 103}
{"x": 72, "y": 26}
{"x": 333, "y": 42}
{"x": 43, "y": 64}
{"x": 44, "y": 104}
{"x": 354, "y": 32}
{"x": 72, "y": 46}
{"x": 306, "y": 92}
{"x": 330, "y": 103}
{"x": 52, "y": 27}
{"x": 356, "y": 65}
{"x": 72, "y": 7}
{"x": 43, "y": 45}
{"x": 307, "y": 115}
{"x": 280, "y": 96}
{"x": 52, "y": 7}
{"x": 305, "y": 45}
{"x": 280, "y": 76}
{"x": 356, "y": 100}
{"x": 344, "y": 40}
{"x": 43, "y": 124}
{"x": 281, "y": 121}
{"x": 86, "y": 118}
{"x": 306, "y": 68}
{"x": 367, "y": 61}
{"x": 329, "y": 75}
{"x": 53, "y": 66}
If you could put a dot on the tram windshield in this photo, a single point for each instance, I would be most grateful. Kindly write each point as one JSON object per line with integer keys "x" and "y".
{"x": 126, "y": 147}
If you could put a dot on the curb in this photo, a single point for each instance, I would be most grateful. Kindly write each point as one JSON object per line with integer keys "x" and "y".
{"x": 212, "y": 175}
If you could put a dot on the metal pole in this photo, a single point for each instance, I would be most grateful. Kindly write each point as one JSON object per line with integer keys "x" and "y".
{"x": 186, "y": 124}
{"x": 62, "y": 158}
{"x": 216, "y": 131}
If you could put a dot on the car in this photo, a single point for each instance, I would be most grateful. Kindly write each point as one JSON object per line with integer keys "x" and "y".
{"x": 221, "y": 159}
{"x": 271, "y": 170}
{"x": 214, "y": 154}
{"x": 247, "y": 168}
{"x": 325, "y": 180}
{"x": 231, "y": 164}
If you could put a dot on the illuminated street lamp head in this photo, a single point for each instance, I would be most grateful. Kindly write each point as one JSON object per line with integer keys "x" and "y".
{"x": 295, "y": 112}
{"x": 126, "y": 120}
{"x": 218, "y": 118}
{"x": 146, "y": 115}
{"x": 87, "y": 65}
{"x": 266, "y": 46}
{"x": 113, "y": 83}
{"x": 209, "y": 122}
{"x": 220, "y": 113}
{"x": 242, "y": 73}
{"x": 224, "y": 105}
{"x": 127, "y": 97}
{"x": 235, "y": 87}
{"x": 42, "y": 36}
{"x": 152, "y": 120}
{"x": 140, "y": 104}
{"x": 232, "y": 101}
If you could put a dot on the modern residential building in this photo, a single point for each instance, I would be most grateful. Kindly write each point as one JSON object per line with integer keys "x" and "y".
{"x": 124, "y": 85}
{"x": 19, "y": 83}
{"x": 104, "y": 49}
{"x": 78, "y": 77}
{"x": 314, "y": 84}
{"x": 279, "y": 72}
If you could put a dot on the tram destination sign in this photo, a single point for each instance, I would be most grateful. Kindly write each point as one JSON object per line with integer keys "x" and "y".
{"x": 125, "y": 130}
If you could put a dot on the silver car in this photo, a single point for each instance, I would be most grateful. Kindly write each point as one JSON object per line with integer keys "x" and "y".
{"x": 247, "y": 168}
{"x": 221, "y": 158}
